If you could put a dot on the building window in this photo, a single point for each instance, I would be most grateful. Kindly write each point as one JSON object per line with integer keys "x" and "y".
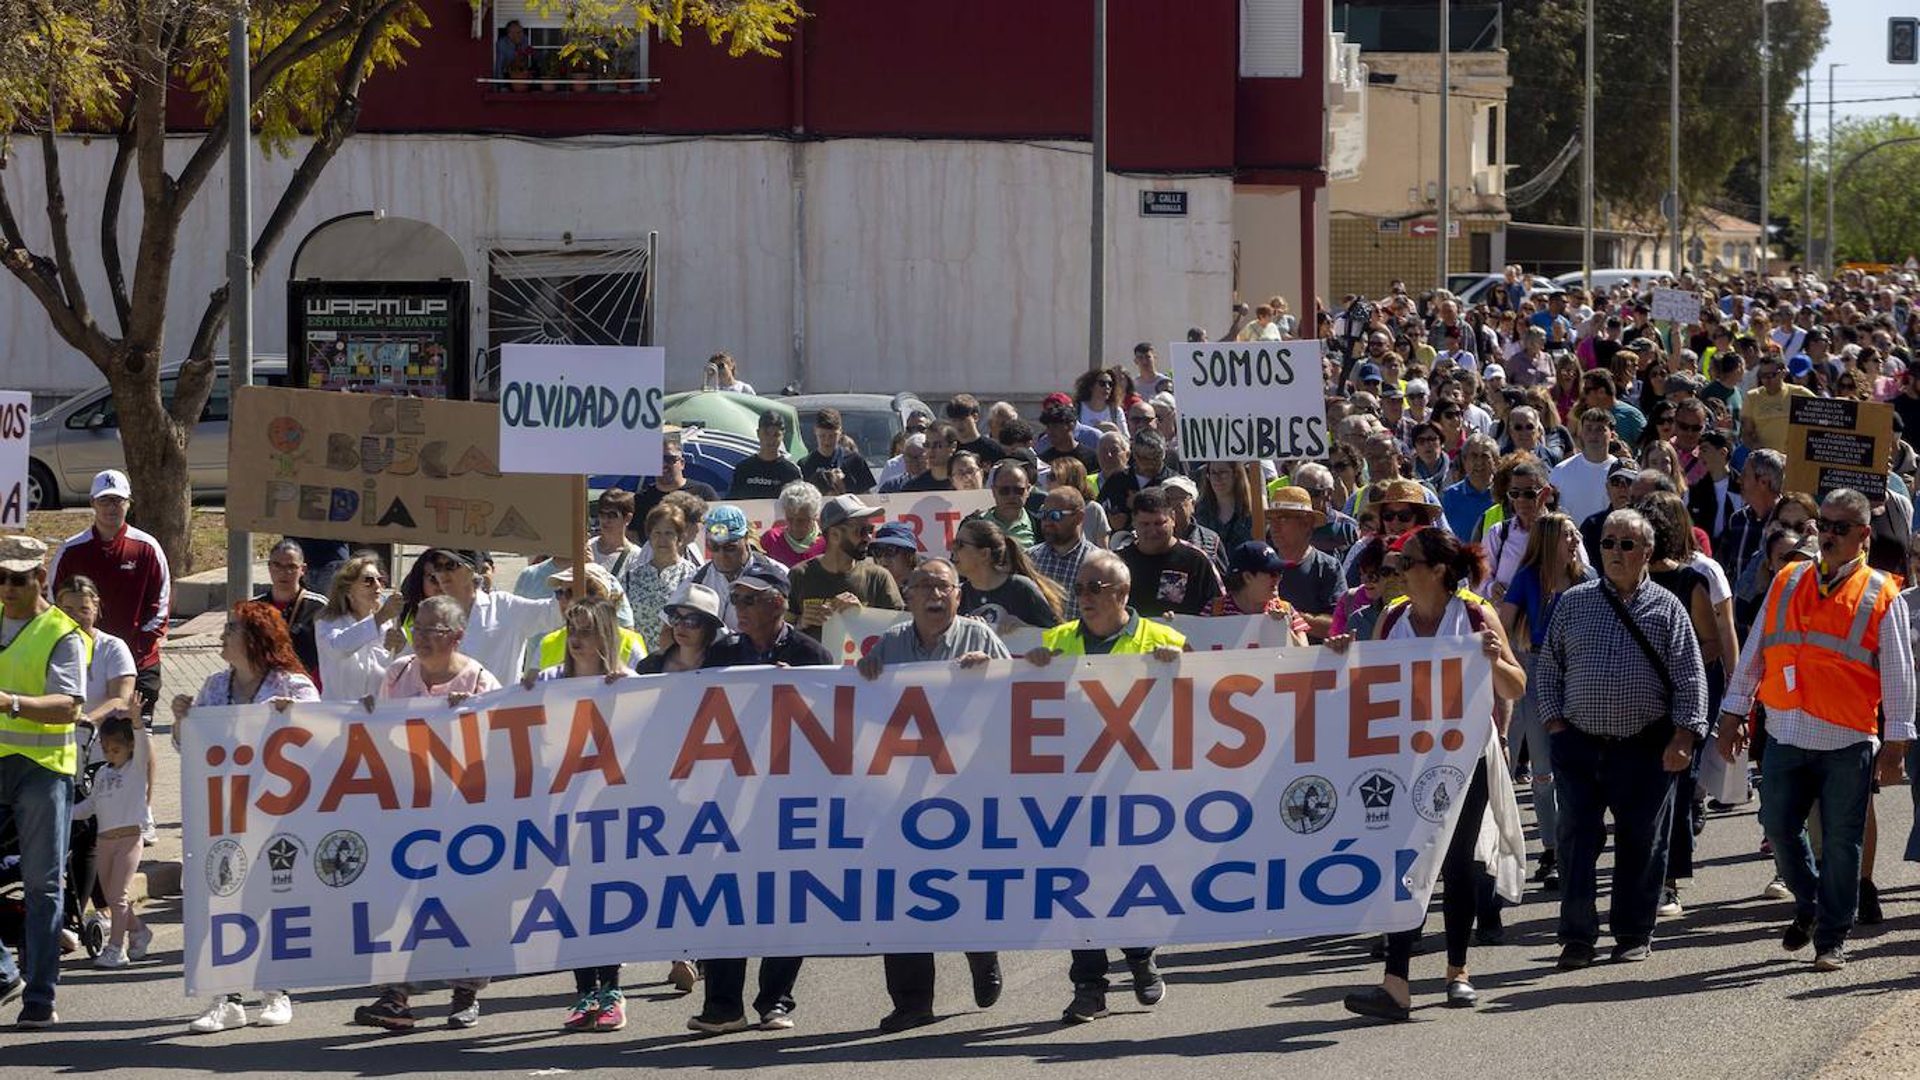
{"x": 1493, "y": 135}
{"x": 1271, "y": 39}
{"x": 568, "y": 294}
{"x": 528, "y": 55}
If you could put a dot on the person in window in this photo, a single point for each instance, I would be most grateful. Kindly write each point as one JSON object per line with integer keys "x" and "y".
{"x": 512, "y": 51}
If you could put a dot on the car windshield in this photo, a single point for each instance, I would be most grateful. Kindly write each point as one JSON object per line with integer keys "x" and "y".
{"x": 871, "y": 430}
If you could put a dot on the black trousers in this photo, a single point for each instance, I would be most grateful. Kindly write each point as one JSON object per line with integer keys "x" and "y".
{"x": 726, "y": 983}
{"x": 146, "y": 686}
{"x": 910, "y": 977}
{"x": 1461, "y": 882}
{"x": 1089, "y": 966}
{"x": 587, "y": 980}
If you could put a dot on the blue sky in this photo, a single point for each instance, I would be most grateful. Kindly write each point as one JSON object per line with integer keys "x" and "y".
{"x": 1858, "y": 39}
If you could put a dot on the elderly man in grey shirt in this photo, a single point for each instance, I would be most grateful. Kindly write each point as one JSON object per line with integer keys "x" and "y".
{"x": 937, "y": 632}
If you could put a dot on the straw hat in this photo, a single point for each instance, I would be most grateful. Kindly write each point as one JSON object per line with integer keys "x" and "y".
{"x": 1403, "y": 491}
{"x": 1293, "y": 500}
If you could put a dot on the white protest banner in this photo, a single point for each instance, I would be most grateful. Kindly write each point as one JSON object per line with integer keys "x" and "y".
{"x": 579, "y": 408}
{"x": 1112, "y": 800}
{"x": 1248, "y": 400}
{"x": 932, "y": 515}
{"x": 16, "y": 427}
{"x": 851, "y": 634}
{"x": 1676, "y": 305}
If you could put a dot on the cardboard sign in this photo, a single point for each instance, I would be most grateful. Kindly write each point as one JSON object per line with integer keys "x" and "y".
{"x": 380, "y": 469}
{"x": 1249, "y": 400}
{"x": 579, "y": 408}
{"x": 16, "y": 426}
{"x": 1676, "y": 305}
{"x": 1838, "y": 443}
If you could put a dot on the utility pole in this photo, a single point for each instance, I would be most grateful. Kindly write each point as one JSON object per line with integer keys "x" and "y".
{"x": 1445, "y": 201}
{"x": 239, "y": 266}
{"x": 1097, "y": 260}
{"x": 1830, "y": 237}
{"x": 1806, "y": 171}
{"x": 1673, "y": 146}
{"x": 1766, "y": 127}
{"x": 1586, "y": 167}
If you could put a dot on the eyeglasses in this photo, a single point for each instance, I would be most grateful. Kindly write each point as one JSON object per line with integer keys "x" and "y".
{"x": 934, "y": 588}
{"x": 1092, "y": 588}
{"x": 1620, "y": 481}
{"x": 746, "y": 598}
{"x": 434, "y": 631}
{"x": 1525, "y": 493}
{"x": 1835, "y": 528}
{"x": 689, "y": 620}
{"x": 1316, "y": 492}
{"x": 1624, "y": 544}
{"x": 17, "y": 579}
{"x": 1399, "y": 515}
{"x": 442, "y": 566}
{"x": 1057, "y": 514}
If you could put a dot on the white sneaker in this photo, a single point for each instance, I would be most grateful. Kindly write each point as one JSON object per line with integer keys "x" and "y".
{"x": 276, "y": 1009}
{"x": 113, "y": 956}
{"x": 138, "y": 942}
{"x": 1777, "y": 890}
{"x": 222, "y": 1015}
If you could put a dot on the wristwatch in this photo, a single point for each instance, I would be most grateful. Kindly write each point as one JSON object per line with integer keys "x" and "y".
{"x": 13, "y": 705}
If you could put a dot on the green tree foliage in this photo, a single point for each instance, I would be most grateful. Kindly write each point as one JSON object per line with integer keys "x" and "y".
{"x": 1874, "y": 211}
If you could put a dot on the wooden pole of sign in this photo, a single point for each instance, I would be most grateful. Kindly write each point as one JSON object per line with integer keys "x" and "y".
{"x": 579, "y": 549}
{"x": 1257, "y": 486}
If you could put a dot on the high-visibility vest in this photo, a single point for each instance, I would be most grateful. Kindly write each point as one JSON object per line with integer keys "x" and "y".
{"x": 553, "y": 647}
{"x": 23, "y": 671}
{"x": 1145, "y": 637}
{"x": 1830, "y": 644}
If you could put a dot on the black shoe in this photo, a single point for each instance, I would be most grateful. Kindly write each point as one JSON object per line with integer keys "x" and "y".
{"x": 1378, "y": 950}
{"x": 1799, "y": 934}
{"x": 1148, "y": 986}
{"x": 390, "y": 1012}
{"x": 1550, "y": 878}
{"x": 1719, "y": 807}
{"x": 1869, "y": 913}
{"x": 11, "y": 989}
{"x": 465, "y": 1012}
{"x": 1375, "y": 1002}
{"x": 1632, "y": 954}
{"x": 1089, "y": 1004}
{"x": 1491, "y": 932}
{"x": 1461, "y": 995}
{"x": 903, "y": 1020}
{"x": 37, "y": 1016}
{"x": 1575, "y": 956}
{"x": 987, "y": 982}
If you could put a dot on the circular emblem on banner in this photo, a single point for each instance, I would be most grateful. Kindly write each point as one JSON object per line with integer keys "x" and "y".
{"x": 226, "y": 867}
{"x": 1377, "y": 789}
{"x": 1308, "y": 804}
{"x": 340, "y": 858}
{"x": 283, "y": 853}
{"x": 1434, "y": 793}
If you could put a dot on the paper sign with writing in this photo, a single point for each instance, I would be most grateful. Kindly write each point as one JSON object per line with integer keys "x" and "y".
{"x": 380, "y": 469}
{"x": 1837, "y": 443}
{"x": 1676, "y": 305}
{"x": 1248, "y": 400}
{"x": 16, "y": 424}
{"x": 579, "y": 408}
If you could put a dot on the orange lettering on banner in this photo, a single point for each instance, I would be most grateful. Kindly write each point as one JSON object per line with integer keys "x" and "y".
{"x": 714, "y": 713}
{"x": 1305, "y": 685}
{"x": 469, "y": 776}
{"x": 1453, "y": 699}
{"x": 834, "y": 751}
{"x": 361, "y": 752}
{"x": 588, "y": 724}
{"x": 1253, "y": 737}
{"x": 1420, "y": 709}
{"x": 1363, "y": 710}
{"x": 273, "y": 759}
{"x": 1116, "y": 726}
{"x": 1026, "y": 727}
{"x": 1183, "y": 723}
{"x": 518, "y": 722}
{"x": 913, "y": 706}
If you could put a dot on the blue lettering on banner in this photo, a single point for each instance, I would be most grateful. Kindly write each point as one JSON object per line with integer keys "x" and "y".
{"x": 923, "y": 885}
{"x": 1060, "y": 887}
{"x": 996, "y": 905}
{"x": 249, "y": 938}
{"x": 709, "y": 827}
{"x": 677, "y": 892}
{"x": 1203, "y": 893}
{"x": 283, "y": 933}
{"x": 794, "y": 823}
{"x": 544, "y": 914}
{"x": 1145, "y": 888}
{"x": 600, "y": 897}
{"x": 433, "y": 922}
{"x": 1313, "y": 889}
{"x": 844, "y": 905}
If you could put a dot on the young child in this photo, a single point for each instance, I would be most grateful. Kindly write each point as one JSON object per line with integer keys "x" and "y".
{"x": 118, "y": 805}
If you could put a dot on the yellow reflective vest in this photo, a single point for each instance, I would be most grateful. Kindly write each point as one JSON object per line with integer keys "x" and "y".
{"x": 1144, "y": 637}
{"x": 23, "y": 671}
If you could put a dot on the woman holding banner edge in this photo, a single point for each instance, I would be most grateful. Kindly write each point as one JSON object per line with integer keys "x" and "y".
{"x": 1438, "y": 569}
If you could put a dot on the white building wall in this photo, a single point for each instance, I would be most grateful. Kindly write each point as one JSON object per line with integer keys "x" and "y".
{"x": 934, "y": 266}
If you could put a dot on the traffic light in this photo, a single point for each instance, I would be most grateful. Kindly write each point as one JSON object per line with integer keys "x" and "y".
{"x": 1903, "y": 41}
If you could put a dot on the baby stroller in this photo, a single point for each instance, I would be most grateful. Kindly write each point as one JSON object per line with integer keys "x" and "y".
{"x": 77, "y": 880}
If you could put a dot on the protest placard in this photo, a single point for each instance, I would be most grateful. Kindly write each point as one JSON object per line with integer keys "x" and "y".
{"x": 932, "y": 515}
{"x": 1117, "y": 800}
{"x": 580, "y": 409}
{"x": 1248, "y": 400}
{"x": 1838, "y": 443}
{"x": 16, "y": 429}
{"x": 851, "y": 634}
{"x": 382, "y": 469}
{"x": 1676, "y": 305}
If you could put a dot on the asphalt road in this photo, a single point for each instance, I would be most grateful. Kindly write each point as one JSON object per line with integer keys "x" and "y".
{"x": 1718, "y": 999}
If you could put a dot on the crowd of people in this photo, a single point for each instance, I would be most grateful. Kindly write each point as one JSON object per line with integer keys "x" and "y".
{"x": 1600, "y": 500}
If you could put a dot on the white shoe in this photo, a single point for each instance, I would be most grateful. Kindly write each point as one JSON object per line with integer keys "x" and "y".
{"x": 138, "y": 942}
{"x": 275, "y": 1009}
{"x": 112, "y": 956}
{"x": 223, "y": 1015}
{"x": 1777, "y": 890}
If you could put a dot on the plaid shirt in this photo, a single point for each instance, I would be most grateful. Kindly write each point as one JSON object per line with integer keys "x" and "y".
{"x": 1592, "y": 674}
{"x": 1062, "y": 569}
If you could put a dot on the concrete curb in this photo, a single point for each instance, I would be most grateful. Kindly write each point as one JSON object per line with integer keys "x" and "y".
{"x": 206, "y": 591}
{"x": 155, "y": 880}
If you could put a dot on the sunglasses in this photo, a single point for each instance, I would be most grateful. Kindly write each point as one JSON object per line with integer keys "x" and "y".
{"x": 673, "y": 459}
{"x": 690, "y": 620}
{"x": 443, "y": 566}
{"x": 17, "y": 579}
{"x": 1399, "y": 515}
{"x": 1056, "y": 514}
{"x": 1108, "y": 383}
{"x": 1835, "y": 528}
{"x": 1691, "y": 429}
{"x": 372, "y": 579}
{"x": 1525, "y": 493}
{"x": 1091, "y": 588}
{"x": 1622, "y": 544}
{"x": 1620, "y": 481}
{"x": 746, "y": 598}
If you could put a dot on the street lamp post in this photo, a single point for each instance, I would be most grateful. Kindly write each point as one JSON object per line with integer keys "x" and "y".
{"x": 1766, "y": 127}
{"x": 1830, "y": 237}
{"x": 1673, "y": 146}
{"x": 1446, "y": 106}
{"x": 1586, "y": 167}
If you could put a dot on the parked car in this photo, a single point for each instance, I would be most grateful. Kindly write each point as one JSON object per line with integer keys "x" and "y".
{"x": 1641, "y": 280}
{"x": 1471, "y": 289}
{"x": 719, "y": 430}
{"x": 871, "y": 420}
{"x": 77, "y": 438}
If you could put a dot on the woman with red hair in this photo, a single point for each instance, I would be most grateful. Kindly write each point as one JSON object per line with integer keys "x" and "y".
{"x": 261, "y": 669}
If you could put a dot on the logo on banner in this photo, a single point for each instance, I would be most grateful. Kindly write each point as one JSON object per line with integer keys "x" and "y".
{"x": 340, "y": 858}
{"x": 1377, "y": 788}
{"x": 226, "y": 867}
{"x": 283, "y": 854}
{"x": 1435, "y": 791}
{"x": 1308, "y": 804}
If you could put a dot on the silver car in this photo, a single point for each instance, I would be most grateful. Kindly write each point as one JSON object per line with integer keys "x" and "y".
{"x": 77, "y": 438}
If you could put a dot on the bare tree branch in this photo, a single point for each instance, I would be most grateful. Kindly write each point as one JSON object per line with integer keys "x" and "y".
{"x": 64, "y": 264}
{"x": 110, "y": 223}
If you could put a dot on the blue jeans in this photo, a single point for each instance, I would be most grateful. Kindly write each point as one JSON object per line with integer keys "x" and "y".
{"x": 40, "y": 802}
{"x": 1842, "y": 781}
{"x": 1592, "y": 775}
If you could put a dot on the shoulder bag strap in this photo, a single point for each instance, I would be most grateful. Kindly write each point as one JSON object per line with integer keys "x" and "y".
{"x": 1639, "y": 637}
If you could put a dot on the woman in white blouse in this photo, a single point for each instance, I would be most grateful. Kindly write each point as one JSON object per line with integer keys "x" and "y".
{"x": 351, "y": 631}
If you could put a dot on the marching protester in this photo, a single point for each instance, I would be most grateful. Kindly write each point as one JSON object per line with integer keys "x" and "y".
{"x": 136, "y": 585}
{"x": 350, "y": 632}
{"x": 495, "y": 625}
{"x": 1001, "y": 586}
{"x": 1063, "y": 545}
{"x": 842, "y": 576}
{"x": 769, "y": 469}
{"x": 658, "y": 569}
{"x": 796, "y": 537}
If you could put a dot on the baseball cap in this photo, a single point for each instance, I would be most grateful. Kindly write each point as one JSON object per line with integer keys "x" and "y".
{"x": 1255, "y": 557}
{"x": 1056, "y": 398}
{"x": 464, "y": 556}
{"x": 1392, "y": 391}
{"x": 726, "y": 524}
{"x": 1417, "y": 388}
{"x": 896, "y": 534}
{"x": 1057, "y": 412}
{"x": 844, "y": 508}
{"x": 1623, "y": 467}
{"x": 1494, "y": 371}
{"x": 1367, "y": 372}
{"x": 22, "y": 554}
{"x": 1800, "y": 365}
{"x": 111, "y": 482}
{"x": 765, "y": 575}
{"x": 1183, "y": 483}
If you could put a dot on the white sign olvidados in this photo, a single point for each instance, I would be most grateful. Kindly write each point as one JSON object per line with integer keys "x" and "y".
{"x": 16, "y": 423}
{"x": 1248, "y": 400}
{"x": 1676, "y": 305}
{"x": 579, "y": 408}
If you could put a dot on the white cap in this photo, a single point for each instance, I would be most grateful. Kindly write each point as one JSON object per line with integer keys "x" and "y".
{"x": 1494, "y": 371}
{"x": 1181, "y": 483}
{"x": 111, "y": 482}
